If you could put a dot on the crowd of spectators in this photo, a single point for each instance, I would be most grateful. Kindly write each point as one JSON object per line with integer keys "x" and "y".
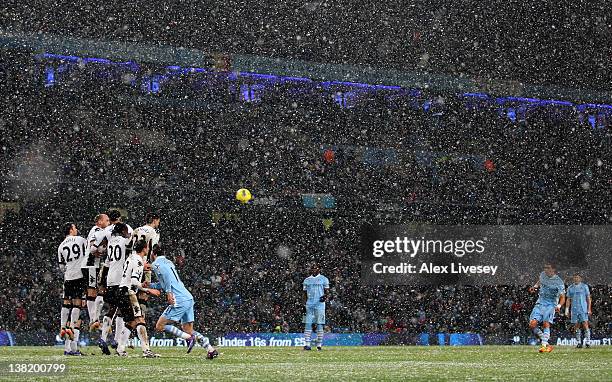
{"x": 68, "y": 154}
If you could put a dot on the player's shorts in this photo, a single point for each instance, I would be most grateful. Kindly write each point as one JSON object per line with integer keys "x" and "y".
{"x": 73, "y": 289}
{"x": 543, "y": 313}
{"x": 579, "y": 317}
{"x": 128, "y": 305}
{"x": 112, "y": 295}
{"x": 182, "y": 312}
{"x": 314, "y": 315}
{"x": 91, "y": 276}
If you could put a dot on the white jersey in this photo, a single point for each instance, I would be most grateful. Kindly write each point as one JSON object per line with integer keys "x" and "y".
{"x": 103, "y": 234}
{"x": 70, "y": 254}
{"x": 90, "y": 260}
{"x": 116, "y": 255}
{"x": 148, "y": 234}
{"x": 132, "y": 272}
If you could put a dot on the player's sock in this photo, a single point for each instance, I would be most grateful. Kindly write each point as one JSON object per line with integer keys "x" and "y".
{"x": 587, "y": 336}
{"x": 177, "y": 332}
{"x": 99, "y": 303}
{"x": 74, "y": 316}
{"x": 107, "y": 323}
{"x": 579, "y": 336}
{"x": 538, "y": 332}
{"x": 141, "y": 330}
{"x": 545, "y": 336}
{"x": 122, "y": 338}
{"x": 307, "y": 334}
{"x": 319, "y": 335}
{"x": 74, "y": 346}
{"x": 204, "y": 341}
{"x": 67, "y": 345}
{"x": 64, "y": 314}
{"x": 91, "y": 308}
{"x": 119, "y": 326}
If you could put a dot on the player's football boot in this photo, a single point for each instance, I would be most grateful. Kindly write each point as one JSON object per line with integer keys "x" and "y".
{"x": 212, "y": 354}
{"x": 67, "y": 352}
{"x": 319, "y": 348}
{"x": 121, "y": 353}
{"x": 579, "y": 346}
{"x": 191, "y": 343}
{"x": 103, "y": 346}
{"x": 307, "y": 348}
{"x": 545, "y": 349}
{"x": 587, "y": 344}
{"x": 150, "y": 354}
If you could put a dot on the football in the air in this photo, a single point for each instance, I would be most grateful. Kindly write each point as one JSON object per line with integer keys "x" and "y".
{"x": 243, "y": 195}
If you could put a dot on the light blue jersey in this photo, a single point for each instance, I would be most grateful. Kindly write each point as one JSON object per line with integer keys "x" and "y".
{"x": 315, "y": 288}
{"x": 315, "y": 309}
{"x": 169, "y": 280}
{"x": 579, "y": 293}
{"x": 551, "y": 288}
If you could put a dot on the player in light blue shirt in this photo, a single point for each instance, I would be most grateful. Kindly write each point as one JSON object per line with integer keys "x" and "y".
{"x": 551, "y": 298}
{"x": 180, "y": 308}
{"x": 317, "y": 292}
{"x": 579, "y": 302}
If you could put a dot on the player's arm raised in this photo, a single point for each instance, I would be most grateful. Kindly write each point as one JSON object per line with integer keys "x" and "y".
{"x": 98, "y": 246}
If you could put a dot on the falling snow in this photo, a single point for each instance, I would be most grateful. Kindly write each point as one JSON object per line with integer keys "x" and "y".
{"x": 332, "y": 116}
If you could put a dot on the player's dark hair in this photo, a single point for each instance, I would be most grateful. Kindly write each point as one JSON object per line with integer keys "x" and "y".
{"x": 119, "y": 228}
{"x": 552, "y": 265}
{"x": 67, "y": 227}
{"x": 140, "y": 245}
{"x": 98, "y": 217}
{"x": 114, "y": 215}
{"x": 151, "y": 216}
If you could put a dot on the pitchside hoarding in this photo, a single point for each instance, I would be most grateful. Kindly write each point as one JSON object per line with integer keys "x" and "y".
{"x": 349, "y": 339}
{"x": 482, "y": 255}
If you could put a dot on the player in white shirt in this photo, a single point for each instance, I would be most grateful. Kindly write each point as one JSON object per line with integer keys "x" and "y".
{"x": 90, "y": 265}
{"x": 69, "y": 255}
{"x": 127, "y": 301}
{"x": 150, "y": 235}
{"x": 118, "y": 250}
{"x": 99, "y": 246}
